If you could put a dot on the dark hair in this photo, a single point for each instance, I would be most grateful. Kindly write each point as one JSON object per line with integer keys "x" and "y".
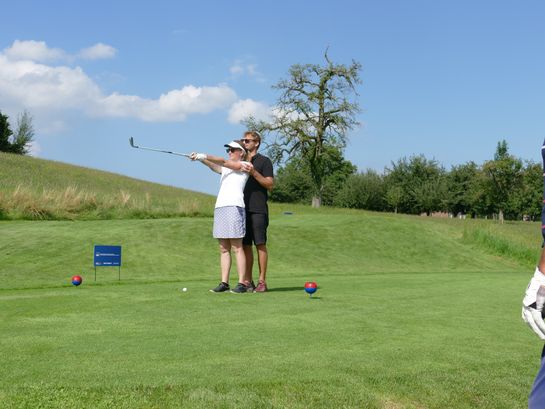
{"x": 255, "y": 134}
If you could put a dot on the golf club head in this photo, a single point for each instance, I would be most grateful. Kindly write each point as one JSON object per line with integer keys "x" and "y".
{"x": 131, "y": 141}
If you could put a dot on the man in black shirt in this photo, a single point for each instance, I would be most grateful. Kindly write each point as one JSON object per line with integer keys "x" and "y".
{"x": 261, "y": 180}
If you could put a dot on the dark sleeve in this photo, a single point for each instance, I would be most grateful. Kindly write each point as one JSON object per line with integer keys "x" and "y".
{"x": 267, "y": 170}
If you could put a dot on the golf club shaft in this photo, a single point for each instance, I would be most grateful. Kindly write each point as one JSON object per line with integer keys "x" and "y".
{"x": 131, "y": 141}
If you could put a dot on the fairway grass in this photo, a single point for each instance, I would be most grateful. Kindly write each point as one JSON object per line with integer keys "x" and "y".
{"x": 410, "y": 313}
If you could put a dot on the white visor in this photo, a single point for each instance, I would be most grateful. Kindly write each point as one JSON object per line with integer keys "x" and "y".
{"x": 235, "y": 145}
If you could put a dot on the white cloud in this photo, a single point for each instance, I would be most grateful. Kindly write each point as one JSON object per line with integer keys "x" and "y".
{"x": 25, "y": 83}
{"x": 34, "y": 51}
{"x": 38, "y": 51}
{"x": 98, "y": 51}
{"x": 35, "y": 85}
{"x": 175, "y": 105}
{"x": 245, "y": 108}
{"x": 241, "y": 67}
{"x": 236, "y": 68}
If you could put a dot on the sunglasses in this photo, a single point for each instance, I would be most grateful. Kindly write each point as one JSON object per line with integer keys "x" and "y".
{"x": 231, "y": 150}
{"x": 247, "y": 140}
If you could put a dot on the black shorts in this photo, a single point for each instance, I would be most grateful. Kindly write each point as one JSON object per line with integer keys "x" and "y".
{"x": 256, "y": 229}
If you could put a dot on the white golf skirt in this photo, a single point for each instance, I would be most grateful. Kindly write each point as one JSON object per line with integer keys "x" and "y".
{"x": 229, "y": 222}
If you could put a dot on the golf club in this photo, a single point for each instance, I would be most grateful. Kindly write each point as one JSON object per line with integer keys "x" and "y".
{"x": 131, "y": 141}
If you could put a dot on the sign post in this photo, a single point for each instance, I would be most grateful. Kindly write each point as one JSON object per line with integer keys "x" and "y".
{"x": 107, "y": 256}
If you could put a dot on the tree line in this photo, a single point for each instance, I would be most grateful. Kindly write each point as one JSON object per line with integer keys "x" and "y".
{"x": 308, "y": 131}
{"x": 17, "y": 141}
{"x": 505, "y": 187}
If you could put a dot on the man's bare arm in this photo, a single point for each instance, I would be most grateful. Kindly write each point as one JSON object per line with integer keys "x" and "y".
{"x": 266, "y": 181}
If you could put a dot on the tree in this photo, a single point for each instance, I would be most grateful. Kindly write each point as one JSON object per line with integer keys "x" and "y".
{"x": 394, "y": 196}
{"x": 526, "y": 199}
{"x": 482, "y": 203}
{"x": 5, "y": 134}
{"x": 336, "y": 171}
{"x": 363, "y": 190}
{"x": 503, "y": 176}
{"x": 428, "y": 194}
{"x": 415, "y": 185}
{"x": 312, "y": 116}
{"x": 18, "y": 142}
{"x": 533, "y": 190}
{"x": 24, "y": 134}
{"x": 293, "y": 182}
{"x": 460, "y": 185}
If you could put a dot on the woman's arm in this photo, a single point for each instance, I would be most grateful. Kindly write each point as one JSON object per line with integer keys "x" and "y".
{"x": 212, "y": 165}
{"x": 230, "y": 164}
{"x": 205, "y": 159}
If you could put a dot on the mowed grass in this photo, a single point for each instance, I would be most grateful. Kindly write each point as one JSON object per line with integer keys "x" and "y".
{"x": 37, "y": 189}
{"x": 410, "y": 313}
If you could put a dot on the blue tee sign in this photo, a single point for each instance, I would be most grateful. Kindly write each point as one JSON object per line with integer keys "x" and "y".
{"x": 107, "y": 256}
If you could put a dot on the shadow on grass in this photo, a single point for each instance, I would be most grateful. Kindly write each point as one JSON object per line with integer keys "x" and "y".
{"x": 301, "y": 289}
{"x": 285, "y": 289}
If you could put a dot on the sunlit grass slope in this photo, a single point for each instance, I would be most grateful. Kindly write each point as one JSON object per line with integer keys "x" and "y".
{"x": 37, "y": 189}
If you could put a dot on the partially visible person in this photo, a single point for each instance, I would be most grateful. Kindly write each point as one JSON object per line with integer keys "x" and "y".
{"x": 229, "y": 212}
{"x": 532, "y": 310}
{"x": 261, "y": 181}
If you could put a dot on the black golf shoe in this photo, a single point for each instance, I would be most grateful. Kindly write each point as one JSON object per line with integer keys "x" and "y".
{"x": 239, "y": 289}
{"x": 221, "y": 288}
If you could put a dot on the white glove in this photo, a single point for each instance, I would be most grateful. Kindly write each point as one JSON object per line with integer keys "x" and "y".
{"x": 200, "y": 156}
{"x": 532, "y": 304}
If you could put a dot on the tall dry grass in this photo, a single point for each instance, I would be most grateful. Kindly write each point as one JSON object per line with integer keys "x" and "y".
{"x": 73, "y": 203}
{"x": 36, "y": 189}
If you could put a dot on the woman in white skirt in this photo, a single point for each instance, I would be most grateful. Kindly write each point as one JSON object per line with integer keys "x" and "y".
{"x": 229, "y": 213}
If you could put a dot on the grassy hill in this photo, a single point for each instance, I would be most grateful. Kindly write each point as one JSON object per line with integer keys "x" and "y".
{"x": 37, "y": 189}
{"x": 411, "y": 313}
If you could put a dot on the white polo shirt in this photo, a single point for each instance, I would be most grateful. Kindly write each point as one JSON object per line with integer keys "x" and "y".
{"x": 232, "y": 184}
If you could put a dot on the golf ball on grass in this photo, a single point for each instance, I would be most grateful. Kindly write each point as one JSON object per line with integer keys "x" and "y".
{"x": 76, "y": 280}
{"x": 184, "y": 289}
{"x": 311, "y": 287}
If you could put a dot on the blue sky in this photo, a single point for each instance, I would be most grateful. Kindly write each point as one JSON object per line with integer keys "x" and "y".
{"x": 447, "y": 79}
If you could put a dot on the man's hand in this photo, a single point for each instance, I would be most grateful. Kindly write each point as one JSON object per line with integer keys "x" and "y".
{"x": 532, "y": 304}
{"x": 247, "y": 167}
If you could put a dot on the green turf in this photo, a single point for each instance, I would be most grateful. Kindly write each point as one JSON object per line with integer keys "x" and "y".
{"x": 411, "y": 313}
